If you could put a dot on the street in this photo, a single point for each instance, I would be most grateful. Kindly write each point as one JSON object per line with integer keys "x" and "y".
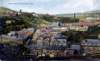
{"x": 56, "y": 60}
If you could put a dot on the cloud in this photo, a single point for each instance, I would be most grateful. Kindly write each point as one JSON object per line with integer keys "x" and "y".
{"x": 75, "y": 6}
{"x": 97, "y": 4}
{"x": 53, "y": 6}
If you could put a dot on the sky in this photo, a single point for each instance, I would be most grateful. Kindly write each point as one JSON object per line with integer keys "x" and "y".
{"x": 51, "y": 6}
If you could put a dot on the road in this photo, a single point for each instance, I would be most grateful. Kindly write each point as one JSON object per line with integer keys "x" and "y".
{"x": 55, "y": 60}
{"x": 92, "y": 59}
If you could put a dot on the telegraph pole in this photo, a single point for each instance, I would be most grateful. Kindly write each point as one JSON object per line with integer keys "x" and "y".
{"x": 74, "y": 17}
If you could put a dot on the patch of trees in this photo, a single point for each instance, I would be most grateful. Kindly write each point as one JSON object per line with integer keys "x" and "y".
{"x": 68, "y": 19}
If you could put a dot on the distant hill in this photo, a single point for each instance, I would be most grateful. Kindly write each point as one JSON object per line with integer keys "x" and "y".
{"x": 4, "y": 10}
{"x": 87, "y": 14}
{"x": 95, "y": 11}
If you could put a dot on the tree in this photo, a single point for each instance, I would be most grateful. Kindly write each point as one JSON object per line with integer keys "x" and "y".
{"x": 15, "y": 23}
{"x": 68, "y": 19}
{"x": 2, "y": 25}
{"x": 48, "y": 18}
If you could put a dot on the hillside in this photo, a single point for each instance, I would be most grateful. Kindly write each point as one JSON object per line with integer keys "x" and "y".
{"x": 86, "y": 14}
{"x": 4, "y": 10}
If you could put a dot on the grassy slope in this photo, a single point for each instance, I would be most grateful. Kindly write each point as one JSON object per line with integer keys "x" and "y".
{"x": 89, "y": 13}
{"x": 4, "y": 10}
